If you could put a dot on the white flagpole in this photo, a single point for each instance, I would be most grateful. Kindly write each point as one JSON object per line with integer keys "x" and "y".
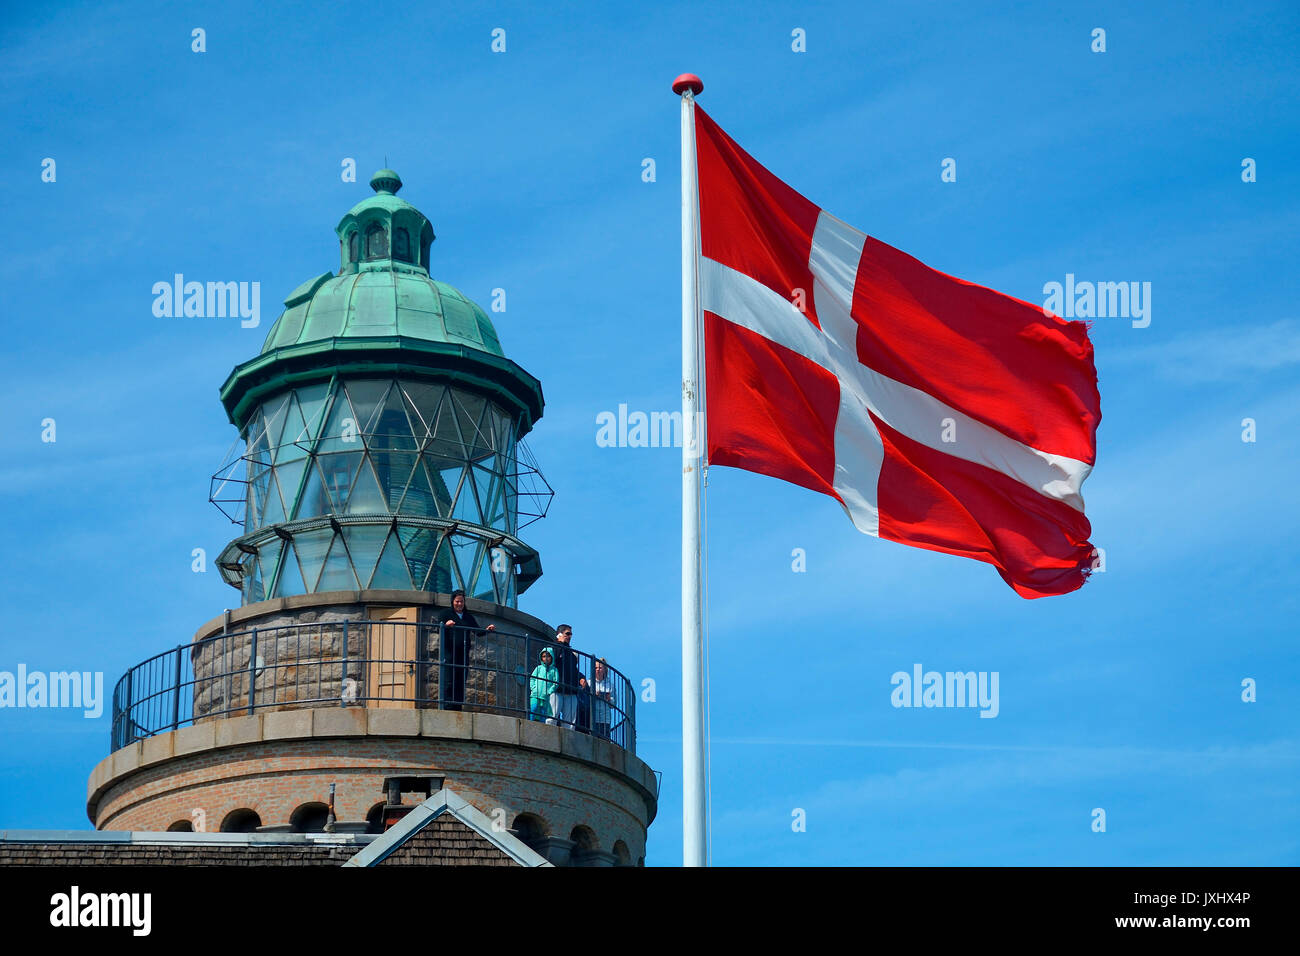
{"x": 694, "y": 782}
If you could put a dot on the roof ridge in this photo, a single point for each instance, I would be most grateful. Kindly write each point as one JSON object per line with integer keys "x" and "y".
{"x": 446, "y": 801}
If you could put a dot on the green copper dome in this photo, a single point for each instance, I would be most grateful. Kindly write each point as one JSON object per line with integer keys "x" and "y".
{"x": 383, "y": 285}
{"x": 382, "y": 311}
{"x": 382, "y": 302}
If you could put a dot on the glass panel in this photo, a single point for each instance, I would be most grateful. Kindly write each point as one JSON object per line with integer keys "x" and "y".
{"x": 290, "y": 581}
{"x": 507, "y": 440}
{"x": 394, "y": 469}
{"x": 402, "y": 245}
{"x": 268, "y": 558}
{"x": 311, "y": 403}
{"x": 366, "y": 497}
{"x": 337, "y": 574}
{"x": 441, "y": 578}
{"x": 376, "y": 242}
{"x": 422, "y": 405}
{"x": 418, "y": 543}
{"x": 510, "y": 498}
{"x": 338, "y": 473}
{"x": 275, "y": 417}
{"x": 273, "y": 509}
{"x": 289, "y": 475}
{"x": 483, "y": 586}
{"x": 288, "y": 448}
{"x": 469, "y": 411}
{"x": 253, "y": 428}
{"x": 342, "y": 422}
{"x": 508, "y": 452}
{"x": 466, "y": 506}
{"x": 438, "y": 484}
{"x": 364, "y": 544}
{"x": 489, "y": 496}
{"x": 367, "y": 395}
{"x": 259, "y": 486}
{"x": 488, "y": 427}
{"x": 465, "y": 551}
{"x": 310, "y": 548}
{"x": 391, "y": 571}
{"x": 445, "y": 438}
{"x": 392, "y": 429}
{"x": 257, "y": 450}
{"x": 252, "y": 581}
{"x": 315, "y": 500}
{"x": 502, "y": 568}
{"x": 450, "y": 478}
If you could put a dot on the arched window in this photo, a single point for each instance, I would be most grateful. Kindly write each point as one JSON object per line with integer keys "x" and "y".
{"x": 376, "y": 242}
{"x": 529, "y": 828}
{"x": 584, "y": 846}
{"x": 240, "y": 821}
{"x": 375, "y": 819}
{"x": 401, "y": 245}
{"x": 621, "y": 853}
{"x": 583, "y": 838}
{"x": 352, "y": 246}
{"x": 181, "y": 826}
{"x": 310, "y": 818}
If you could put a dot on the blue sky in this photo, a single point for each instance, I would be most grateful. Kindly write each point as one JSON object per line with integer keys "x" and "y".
{"x": 1116, "y": 166}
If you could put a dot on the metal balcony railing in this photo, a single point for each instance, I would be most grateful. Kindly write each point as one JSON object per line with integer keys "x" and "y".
{"x": 365, "y": 663}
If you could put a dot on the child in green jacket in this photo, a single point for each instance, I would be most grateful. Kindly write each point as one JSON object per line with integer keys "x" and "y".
{"x": 541, "y": 688}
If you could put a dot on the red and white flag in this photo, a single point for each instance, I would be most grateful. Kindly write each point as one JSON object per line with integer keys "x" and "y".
{"x": 939, "y": 413}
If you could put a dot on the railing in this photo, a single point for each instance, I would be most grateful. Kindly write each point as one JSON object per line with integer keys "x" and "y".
{"x": 382, "y": 664}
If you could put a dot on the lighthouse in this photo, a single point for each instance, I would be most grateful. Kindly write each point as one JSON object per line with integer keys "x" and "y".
{"x": 380, "y": 478}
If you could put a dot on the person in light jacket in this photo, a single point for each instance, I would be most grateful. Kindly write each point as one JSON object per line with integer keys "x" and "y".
{"x": 541, "y": 689}
{"x": 602, "y": 692}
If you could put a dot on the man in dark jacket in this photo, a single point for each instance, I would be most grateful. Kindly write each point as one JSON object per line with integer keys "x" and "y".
{"x": 571, "y": 681}
{"x": 455, "y": 650}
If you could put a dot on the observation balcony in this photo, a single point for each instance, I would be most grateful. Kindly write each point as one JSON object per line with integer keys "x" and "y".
{"x": 362, "y": 663}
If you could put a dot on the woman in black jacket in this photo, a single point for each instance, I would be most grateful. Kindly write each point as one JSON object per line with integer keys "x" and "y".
{"x": 456, "y": 648}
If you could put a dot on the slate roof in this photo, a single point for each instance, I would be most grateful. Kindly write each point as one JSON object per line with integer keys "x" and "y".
{"x": 447, "y": 842}
{"x": 82, "y": 854}
{"x": 445, "y": 830}
{"x": 123, "y": 848}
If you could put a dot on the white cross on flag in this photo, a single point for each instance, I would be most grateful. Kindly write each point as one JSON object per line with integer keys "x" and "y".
{"x": 939, "y": 413}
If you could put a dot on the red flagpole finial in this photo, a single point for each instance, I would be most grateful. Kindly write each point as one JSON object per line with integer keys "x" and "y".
{"x": 688, "y": 81}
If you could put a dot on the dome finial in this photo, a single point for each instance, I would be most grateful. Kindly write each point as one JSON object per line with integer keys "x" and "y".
{"x": 385, "y": 181}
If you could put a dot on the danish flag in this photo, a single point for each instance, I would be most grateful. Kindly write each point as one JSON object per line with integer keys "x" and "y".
{"x": 939, "y": 413}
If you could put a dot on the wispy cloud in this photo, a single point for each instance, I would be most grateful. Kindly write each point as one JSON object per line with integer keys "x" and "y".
{"x": 1281, "y": 752}
{"x": 1013, "y": 792}
{"x": 1218, "y": 355}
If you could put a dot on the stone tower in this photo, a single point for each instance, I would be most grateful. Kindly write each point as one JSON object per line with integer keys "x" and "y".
{"x": 380, "y": 468}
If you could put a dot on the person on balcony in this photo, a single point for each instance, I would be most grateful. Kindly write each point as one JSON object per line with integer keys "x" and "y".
{"x": 570, "y": 680}
{"x": 541, "y": 689}
{"x": 461, "y": 624}
{"x": 602, "y": 696}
